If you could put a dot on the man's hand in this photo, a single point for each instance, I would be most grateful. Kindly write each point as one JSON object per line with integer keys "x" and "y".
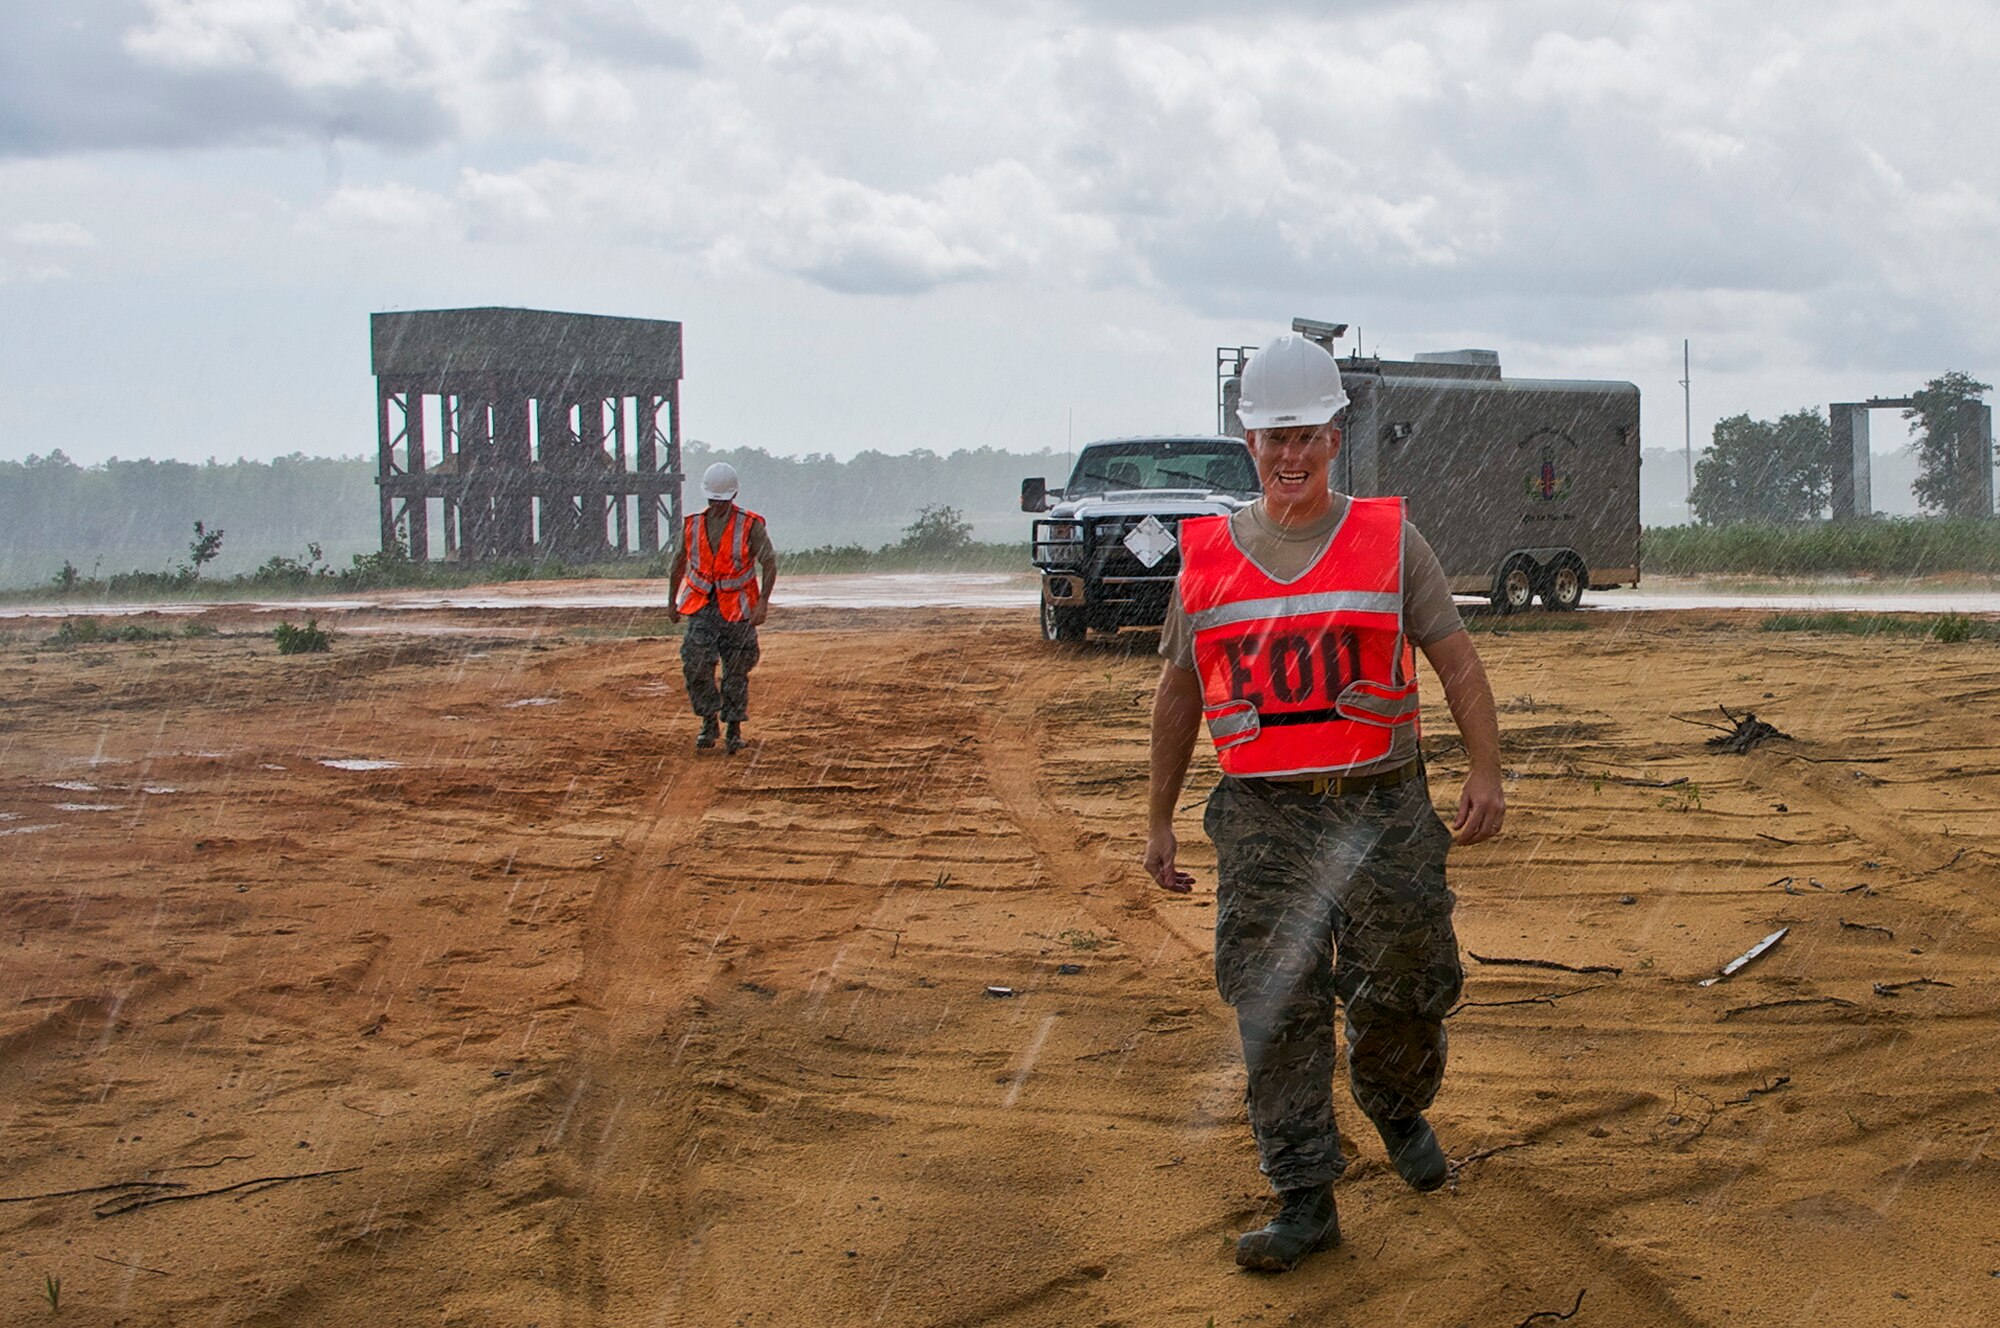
{"x": 673, "y": 614}
{"x": 1160, "y": 849}
{"x": 1482, "y": 807}
{"x": 758, "y": 614}
{"x": 1176, "y": 720}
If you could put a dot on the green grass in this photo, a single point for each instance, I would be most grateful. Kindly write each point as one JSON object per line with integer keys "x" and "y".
{"x": 1889, "y": 546}
{"x": 307, "y": 640}
{"x": 376, "y": 572}
{"x": 89, "y": 631}
{"x": 1951, "y": 628}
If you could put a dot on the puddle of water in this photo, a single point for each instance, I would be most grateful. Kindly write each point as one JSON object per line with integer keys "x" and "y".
{"x": 532, "y": 701}
{"x": 10, "y": 816}
{"x": 88, "y": 807}
{"x": 157, "y": 789}
{"x": 23, "y": 829}
{"x": 73, "y": 786}
{"x": 268, "y": 766}
{"x": 358, "y": 763}
{"x": 994, "y": 590}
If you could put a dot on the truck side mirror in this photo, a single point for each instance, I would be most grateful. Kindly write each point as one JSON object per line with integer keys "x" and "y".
{"x": 1035, "y": 495}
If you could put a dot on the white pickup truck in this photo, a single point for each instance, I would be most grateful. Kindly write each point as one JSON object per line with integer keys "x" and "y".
{"x": 1109, "y": 546}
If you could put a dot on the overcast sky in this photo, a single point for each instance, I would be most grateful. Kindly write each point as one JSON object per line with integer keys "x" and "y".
{"x": 949, "y": 224}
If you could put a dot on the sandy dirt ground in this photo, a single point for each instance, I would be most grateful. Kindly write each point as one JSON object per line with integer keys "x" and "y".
{"x": 556, "y": 1021}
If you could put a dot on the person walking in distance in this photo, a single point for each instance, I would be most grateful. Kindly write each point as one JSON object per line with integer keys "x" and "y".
{"x": 1294, "y": 636}
{"x": 728, "y": 566}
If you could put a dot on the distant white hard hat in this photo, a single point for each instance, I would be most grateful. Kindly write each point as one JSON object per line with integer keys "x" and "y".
{"x": 719, "y": 481}
{"x": 1289, "y": 383}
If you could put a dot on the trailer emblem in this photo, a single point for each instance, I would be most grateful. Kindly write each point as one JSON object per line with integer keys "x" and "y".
{"x": 1150, "y": 541}
{"x": 1545, "y": 483}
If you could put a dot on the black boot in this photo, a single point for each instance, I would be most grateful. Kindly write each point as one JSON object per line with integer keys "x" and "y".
{"x": 1307, "y": 1222}
{"x": 1414, "y": 1150}
{"x": 709, "y": 728}
{"x": 733, "y": 743}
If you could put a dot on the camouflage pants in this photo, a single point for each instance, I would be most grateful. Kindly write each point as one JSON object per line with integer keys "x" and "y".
{"x": 711, "y": 640}
{"x": 1325, "y": 896}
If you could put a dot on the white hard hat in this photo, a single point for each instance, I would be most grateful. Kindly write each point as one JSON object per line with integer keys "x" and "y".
{"x": 719, "y": 481}
{"x": 1289, "y": 383}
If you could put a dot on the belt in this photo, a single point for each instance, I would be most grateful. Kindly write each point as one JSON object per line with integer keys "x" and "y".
{"x": 1321, "y": 785}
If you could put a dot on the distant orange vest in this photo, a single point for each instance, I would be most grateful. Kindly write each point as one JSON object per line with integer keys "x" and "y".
{"x": 724, "y": 571}
{"x": 1308, "y": 676}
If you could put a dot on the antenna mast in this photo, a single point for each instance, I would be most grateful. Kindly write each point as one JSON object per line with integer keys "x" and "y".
{"x": 1687, "y": 416}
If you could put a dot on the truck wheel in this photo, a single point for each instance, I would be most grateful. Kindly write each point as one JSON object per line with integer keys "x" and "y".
{"x": 1514, "y": 588}
{"x": 1062, "y": 624}
{"x": 1563, "y": 587}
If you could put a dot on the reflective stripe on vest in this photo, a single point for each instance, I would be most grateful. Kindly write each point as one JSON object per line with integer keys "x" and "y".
{"x": 1308, "y": 676}
{"x": 723, "y": 571}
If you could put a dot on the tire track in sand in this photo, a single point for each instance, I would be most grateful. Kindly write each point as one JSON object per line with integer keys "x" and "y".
{"x": 622, "y": 1143}
{"x": 1115, "y": 891}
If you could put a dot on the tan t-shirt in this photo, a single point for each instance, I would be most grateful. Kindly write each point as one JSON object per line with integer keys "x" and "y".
{"x": 1285, "y": 552}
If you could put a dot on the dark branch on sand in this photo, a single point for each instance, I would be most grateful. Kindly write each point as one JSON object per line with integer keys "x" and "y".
{"x": 114, "y": 1207}
{"x": 1547, "y": 963}
{"x": 1554, "y": 1316}
{"x": 1546, "y": 998}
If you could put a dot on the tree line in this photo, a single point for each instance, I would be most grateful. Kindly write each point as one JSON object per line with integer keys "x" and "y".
{"x": 1782, "y": 470}
{"x": 134, "y": 515}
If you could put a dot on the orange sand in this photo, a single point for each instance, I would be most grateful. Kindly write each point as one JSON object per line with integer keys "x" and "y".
{"x": 599, "y": 1030}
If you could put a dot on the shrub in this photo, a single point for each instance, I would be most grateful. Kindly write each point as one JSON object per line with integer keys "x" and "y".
{"x": 1952, "y": 628}
{"x": 282, "y": 571}
{"x": 310, "y": 639}
{"x": 89, "y": 631}
{"x": 937, "y": 529}
{"x": 205, "y": 546}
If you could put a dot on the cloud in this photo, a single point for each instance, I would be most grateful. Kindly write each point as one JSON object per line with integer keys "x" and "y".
{"x": 1240, "y": 18}
{"x": 1579, "y": 185}
{"x": 845, "y": 44}
{"x": 52, "y": 235}
{"x": 391, "y": 208}
{"x": 619, "y": 32}
{"x": 106, "y": 74}
{"x": 91, "y": 75}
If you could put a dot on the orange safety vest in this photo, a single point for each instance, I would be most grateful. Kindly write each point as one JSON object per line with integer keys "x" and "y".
{"x": 723, "y": 571}
{"x": 1309, "y": 676}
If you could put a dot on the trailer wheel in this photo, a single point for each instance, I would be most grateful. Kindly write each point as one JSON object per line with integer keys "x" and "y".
{"x": 1065, "y": 625}
{"x": 1563, "y": 587}
{"x": 1514, "y": 588}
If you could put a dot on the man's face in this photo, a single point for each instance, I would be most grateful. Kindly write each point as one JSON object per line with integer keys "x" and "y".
{"x": 1292, "y": 463}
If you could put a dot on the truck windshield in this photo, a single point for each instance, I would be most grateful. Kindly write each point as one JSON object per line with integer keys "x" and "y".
{"x": 1222, "y": 466}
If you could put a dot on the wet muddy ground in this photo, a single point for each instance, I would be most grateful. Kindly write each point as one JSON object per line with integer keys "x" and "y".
{"x": 1004, "y": 590}
{"x": 438, "y": 979}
